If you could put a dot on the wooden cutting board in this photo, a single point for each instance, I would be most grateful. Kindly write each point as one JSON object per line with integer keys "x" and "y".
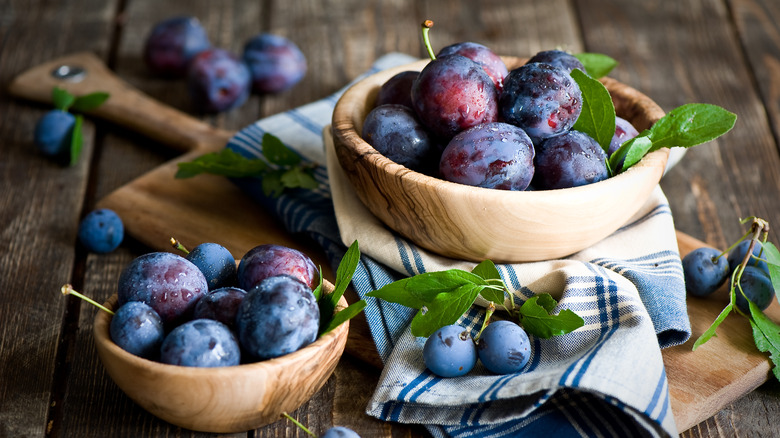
{"x": 210, "y": 208}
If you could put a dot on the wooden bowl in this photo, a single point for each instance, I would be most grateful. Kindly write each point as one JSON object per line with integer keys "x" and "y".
{"x": 474, "y": 223}
{"x": 227, "y": 399}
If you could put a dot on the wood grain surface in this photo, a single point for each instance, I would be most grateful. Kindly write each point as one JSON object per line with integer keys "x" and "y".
{"x": 717, "y": 51}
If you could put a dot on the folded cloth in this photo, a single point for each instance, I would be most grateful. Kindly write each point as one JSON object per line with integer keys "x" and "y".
{"x": 605, "y": 379}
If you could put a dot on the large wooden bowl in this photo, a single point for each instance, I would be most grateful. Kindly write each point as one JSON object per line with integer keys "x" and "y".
{"x": 227, "y": 399}
{"x": 474, "y": 223}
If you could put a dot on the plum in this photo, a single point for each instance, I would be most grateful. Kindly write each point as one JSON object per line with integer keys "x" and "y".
{"x": 278, "y": 316}
{"x": 492, "y": 155}
{"x": 275, "y": 63}
{"x": 217, "y": 81}
{"x": 171, "y": 45}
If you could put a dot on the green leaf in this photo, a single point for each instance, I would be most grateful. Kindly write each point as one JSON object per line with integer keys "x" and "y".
{"x": 327, "y": 303}
{"x": 445, "y": 309}
{"x": 597, "y": 118}
{"x": 710, "y": 332}
{"x": 76, "y": 140}
{"x": 766, "y": 335}
{"x": 546, "y": 301}
{"x": 773, "y": 262}
{"x": 272, "y": 182}
{"x": 317, "y": 291}
{"x": 297, "y": 177}
{"x": 276, "y": 152}
{"x": 487, "y": 270}
{"x": 495, "y": 295}
{"x": 344, "y": 315}
{"x": 61, "y": 98}
{"x": 427, "y": 286}
{"x": 396, "y": 292}
{"x": 226, "y": 162}
{"x": 536, "y": 319}
{"x": 288, "y": 170}
{"x": 597, "y": 65}
{"x": 691, "y": 124}
{"x": 344, "y": 274}
{"x": 632, "y": 151}
{"x": 90, "y": 101}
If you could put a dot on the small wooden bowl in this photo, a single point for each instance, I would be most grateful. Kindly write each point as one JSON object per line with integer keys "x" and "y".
{"x": 474, "y": 223}
{"x": 227, "y": 399}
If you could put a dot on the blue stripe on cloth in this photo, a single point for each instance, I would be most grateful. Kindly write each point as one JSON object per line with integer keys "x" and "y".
{"x": 661, "y": 395}
{"x": 305, "y": 122}
{"x": 659, "y": 276}
{"x": 567, "y": 413}
{"x": 424, "y": 376}
{"x": 401, "y": 245}
{"x": 606, "y": 290}
{"x": 418, "y": 261}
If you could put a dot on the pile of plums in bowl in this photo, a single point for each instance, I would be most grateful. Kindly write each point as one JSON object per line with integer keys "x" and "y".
{"x": 212, "y": 345}
{"x": 474, "y": 156}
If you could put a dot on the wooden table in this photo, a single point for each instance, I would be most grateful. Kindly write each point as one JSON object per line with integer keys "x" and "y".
{"x": 725, "y": 52}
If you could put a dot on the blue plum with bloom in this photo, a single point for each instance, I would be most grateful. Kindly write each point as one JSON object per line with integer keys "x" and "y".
{"x": 278, "y": 316}
{"x": 450, "y": 351}
{"x": 216, "y": 262}
{"x": 755, "y": 286}
{"x": 558, "y": 58}
{"x": 738, "y": 253}
{"x": 541, "y": 99}
{"x": 101, "y": 231}
{"x": 704, "y": 270}
{"x": 395, "y": 132}
{"x": 201, "y": 343}
{"x": 53, "y": 133}
{"x": 137, "y": 329}
{"x": 568, "y": 160}
{"x": 504, "y": 347}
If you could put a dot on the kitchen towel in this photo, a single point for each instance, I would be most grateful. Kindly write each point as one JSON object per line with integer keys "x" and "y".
{"x": 605, "y": 379}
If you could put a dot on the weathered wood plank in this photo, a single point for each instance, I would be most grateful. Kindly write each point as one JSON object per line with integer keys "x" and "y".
{"x": 756, "y": 24}
{"x": 40, "y": 206}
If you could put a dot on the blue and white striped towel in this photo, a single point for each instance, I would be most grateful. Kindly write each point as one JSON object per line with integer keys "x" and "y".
{"x": 605, "y": 379}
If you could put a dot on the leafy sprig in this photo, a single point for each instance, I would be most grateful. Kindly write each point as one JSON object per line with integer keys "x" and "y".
{"x": 685, "y": 126}
{"x": 65, "y": 101}
{"x": 279, "y": 167}
{"x": 442, "y": 297}
{"x": 766, "y": 333}
{"x": 597, "y": 65}
{"x": 327, "y": 302}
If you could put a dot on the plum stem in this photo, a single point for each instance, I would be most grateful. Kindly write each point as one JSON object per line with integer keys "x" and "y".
{"x": 68, "y": 290}
{"x": 177, "y": 245}
{"x": 303, "y": 428}
{"x": 758, "y": 227}
{"x": 491, "y": 308}
{"x": 426, "y": 26}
